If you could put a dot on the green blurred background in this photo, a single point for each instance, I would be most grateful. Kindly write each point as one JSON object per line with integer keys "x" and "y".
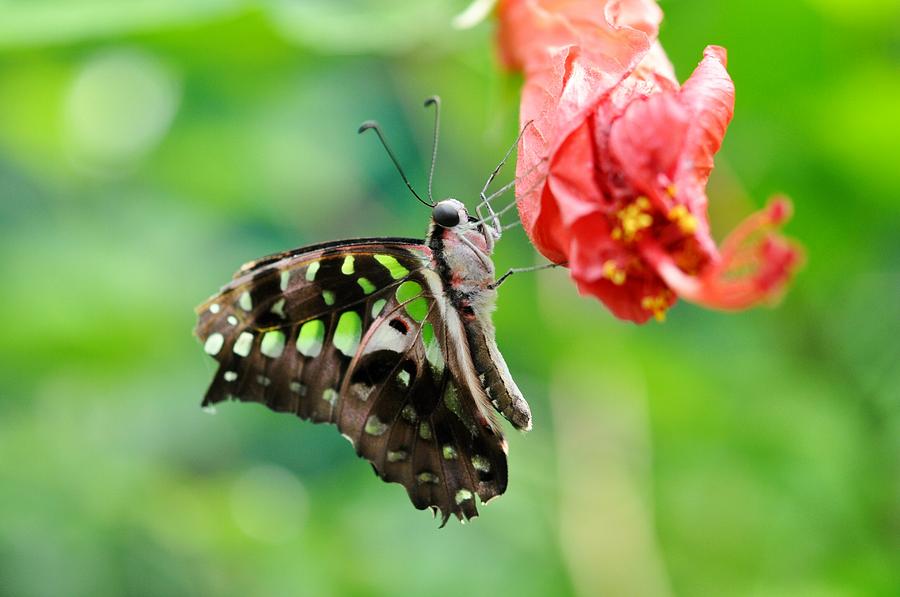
{"x": 149, "y": 147}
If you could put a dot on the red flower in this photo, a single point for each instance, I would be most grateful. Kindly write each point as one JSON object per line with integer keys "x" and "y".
{"x": 613, "y": 170}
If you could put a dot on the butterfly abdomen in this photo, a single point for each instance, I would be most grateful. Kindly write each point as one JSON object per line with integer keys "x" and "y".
{"x": 498, "y": 383}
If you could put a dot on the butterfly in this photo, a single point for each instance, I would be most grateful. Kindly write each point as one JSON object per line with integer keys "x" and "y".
{"x": 389, "y": 339}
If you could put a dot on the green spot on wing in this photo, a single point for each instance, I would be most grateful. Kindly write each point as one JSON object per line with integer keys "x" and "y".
{"x": 393, "y": 266}
{"x": 310, "y": 338}
{"x": 407, "y": 291}
{"x": 214, "y": 344}
{"x": 398, "y": 456}
{"x": 462, "y": 495}
{"x": 374, "y": 426}
{"x": 426, "y": 477}
{"x": 244, "y": 344}
{"x": 367, "y": 286}
{"x": 278, "y": 308}
{"x": 409, "y": 413}
{"x": 480, "y": 463}
{"x": 377, "y": 307}
{"x": 328, "y": 297}
{"x": 311, "y": 271}
{"x": 347, "y": 266}
{"x": 348, "y": 333}
{"x": 432, "y": 348}
{"x": 427, "y": 334}
{"x": 452, "y": 401}
{"x": 417, "y": 308}
{"x": 272, "y": 344}
{"x": 245, "y": 302}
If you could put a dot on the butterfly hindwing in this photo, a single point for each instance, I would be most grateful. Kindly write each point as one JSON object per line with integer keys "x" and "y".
{"x": 356, "y": 334}
{"x": 404, "y": 410}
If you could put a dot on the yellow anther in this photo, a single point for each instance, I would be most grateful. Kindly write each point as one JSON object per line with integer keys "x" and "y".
{"x": 672, "y": 190}
{"x": 612, "y": 273}
{"x": 679, "y": 211}
{"x": 657, "y": 305}
{"x": 686, "y": 221}
{"x": 634, "y": 218}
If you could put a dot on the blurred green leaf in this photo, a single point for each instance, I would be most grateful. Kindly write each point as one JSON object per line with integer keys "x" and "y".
{"x": 36, "y": 22}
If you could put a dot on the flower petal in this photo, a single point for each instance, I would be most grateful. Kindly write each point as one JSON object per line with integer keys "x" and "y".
{"x": 570, "y": 181}
{"x": 709, "y": 97}
{"x": 644, "y": 15}
{"x": 648, "y": 141}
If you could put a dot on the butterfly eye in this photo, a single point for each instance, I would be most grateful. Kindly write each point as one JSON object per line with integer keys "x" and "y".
{"x": 445, "y": 214}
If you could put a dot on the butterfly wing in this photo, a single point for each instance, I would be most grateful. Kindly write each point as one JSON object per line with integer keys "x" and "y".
{"x": 356, "y": 334}
{"x": 409, "y": 411}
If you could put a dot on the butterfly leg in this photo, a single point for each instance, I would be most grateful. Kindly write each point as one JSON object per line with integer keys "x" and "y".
{"x": 522, "y": 270}
{"x": 485, "y": 200}
{"x": 494, "y": 216}
{"x": 495, "y": 229}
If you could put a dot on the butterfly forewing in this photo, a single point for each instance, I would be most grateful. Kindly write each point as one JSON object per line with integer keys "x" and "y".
{"x": 355, "y": 334}
{"x": 286, "y": 328}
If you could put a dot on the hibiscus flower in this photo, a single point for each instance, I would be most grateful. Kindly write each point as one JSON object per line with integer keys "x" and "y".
{"x": 613, "y": 170}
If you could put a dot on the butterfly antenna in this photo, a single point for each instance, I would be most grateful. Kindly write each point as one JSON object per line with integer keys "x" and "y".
{"x": 371, "y": 124}
{"x": 436, "y": 102}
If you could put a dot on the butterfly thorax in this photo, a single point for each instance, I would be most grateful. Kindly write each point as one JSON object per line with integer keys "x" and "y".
{"x": 462, "y": 258}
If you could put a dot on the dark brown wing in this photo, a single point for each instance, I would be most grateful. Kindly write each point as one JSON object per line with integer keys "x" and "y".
{"x": 355, "y": 334}
{"x": 406, "y": 411}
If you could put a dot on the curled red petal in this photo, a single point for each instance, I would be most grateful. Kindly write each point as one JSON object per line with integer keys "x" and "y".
{"x": 709, "y": 97}
{"x": 644, "y": 15}
{"x": 755, "y": 264}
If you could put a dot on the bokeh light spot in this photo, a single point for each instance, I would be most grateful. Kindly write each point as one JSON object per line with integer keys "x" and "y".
{"x": 119, "y": 107}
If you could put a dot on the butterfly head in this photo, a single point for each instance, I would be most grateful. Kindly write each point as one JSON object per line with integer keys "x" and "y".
{"x": 458, "y": 233}
{"x": 448, "y": 213}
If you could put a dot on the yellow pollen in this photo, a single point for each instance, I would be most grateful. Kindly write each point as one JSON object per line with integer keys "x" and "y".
{"x": 686, "y": 221}
{"x": 634, "y": 218}
{"x": 656, "y": 304}
{"x": 612, "y": 273}
{"x": 672, "y": 190}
